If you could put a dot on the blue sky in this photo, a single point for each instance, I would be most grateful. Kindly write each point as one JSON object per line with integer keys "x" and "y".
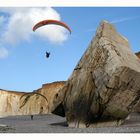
{"x": 23, "y": 66}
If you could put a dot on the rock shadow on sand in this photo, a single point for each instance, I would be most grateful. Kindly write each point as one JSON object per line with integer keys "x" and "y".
{"x": 64, "y": 124}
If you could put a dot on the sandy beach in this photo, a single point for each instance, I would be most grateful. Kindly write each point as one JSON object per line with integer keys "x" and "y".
{"x": 55, "y": 124}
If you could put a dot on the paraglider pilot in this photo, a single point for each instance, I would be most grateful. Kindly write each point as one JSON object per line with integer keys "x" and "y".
{"x": 47, "y": 54}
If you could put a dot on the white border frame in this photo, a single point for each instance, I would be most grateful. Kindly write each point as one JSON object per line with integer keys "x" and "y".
{"x": 70, "y": 3}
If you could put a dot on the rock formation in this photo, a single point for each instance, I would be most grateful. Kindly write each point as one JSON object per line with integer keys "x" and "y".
{"x": 137, "y": 108}
{"x": 138, "y": 54}
{"x": 11, "y": 102}
{"x": 50, "y": 91}
{"x": 105, "y": 85}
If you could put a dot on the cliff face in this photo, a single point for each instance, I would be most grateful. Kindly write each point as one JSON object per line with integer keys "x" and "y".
{"x": 36, "y": 104}
{"x": 11, "y": 101}
{"x": 50, "y": 91}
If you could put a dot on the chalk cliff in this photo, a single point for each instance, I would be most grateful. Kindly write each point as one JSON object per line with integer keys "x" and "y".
{"x": 11, "y": 102}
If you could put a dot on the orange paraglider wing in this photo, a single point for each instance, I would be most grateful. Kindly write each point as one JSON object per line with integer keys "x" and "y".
{"x": 47, "y": 22}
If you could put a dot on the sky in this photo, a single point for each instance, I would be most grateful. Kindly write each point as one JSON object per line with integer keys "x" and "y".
{"x": 23, "y": 65}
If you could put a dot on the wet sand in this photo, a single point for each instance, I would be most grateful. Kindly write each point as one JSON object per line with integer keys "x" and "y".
{"x": 55, "y": 124}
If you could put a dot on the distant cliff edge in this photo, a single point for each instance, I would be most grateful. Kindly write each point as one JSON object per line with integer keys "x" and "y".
{"x": 11, "y": 102}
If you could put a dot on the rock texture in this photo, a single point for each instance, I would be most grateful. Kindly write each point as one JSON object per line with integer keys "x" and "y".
{"x": 105, "y": 85}
{"x": 137, "y": 108}
{"x": 51, "y": 91}
{"x": 138, "y": 54}
{"x": 11, "y": 101}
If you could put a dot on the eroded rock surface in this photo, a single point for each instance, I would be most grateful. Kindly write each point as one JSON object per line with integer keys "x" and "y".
{"x": 138, "y": 54}
{"x": 137, "y": 108}
{"x": 11, "y": 102}
{"x": 105, "y": 85}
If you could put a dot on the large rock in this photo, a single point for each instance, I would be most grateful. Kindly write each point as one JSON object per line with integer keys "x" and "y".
{"x": 137, "y": 108}
{"x": 105, "y": 85}
{"x": 11, "y": 102}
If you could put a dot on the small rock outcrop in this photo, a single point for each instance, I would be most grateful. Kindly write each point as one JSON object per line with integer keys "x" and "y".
{"x": 105, "y": 85}
{"x": 11, "y": 102}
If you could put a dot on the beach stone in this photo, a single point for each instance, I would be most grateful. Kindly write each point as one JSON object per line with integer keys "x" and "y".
{"x": 105, "y": 85}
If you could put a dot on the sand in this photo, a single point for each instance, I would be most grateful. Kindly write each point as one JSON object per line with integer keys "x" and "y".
{"x": 55, "y": 124}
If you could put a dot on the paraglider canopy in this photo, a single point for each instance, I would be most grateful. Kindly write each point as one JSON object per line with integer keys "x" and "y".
{"x": 47, "y": 22}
